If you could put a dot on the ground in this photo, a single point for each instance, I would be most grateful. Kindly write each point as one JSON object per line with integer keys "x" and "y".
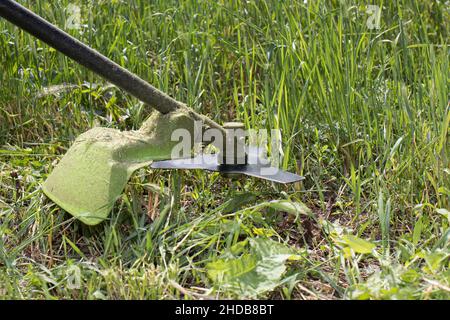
{"x": 362, "y": 104}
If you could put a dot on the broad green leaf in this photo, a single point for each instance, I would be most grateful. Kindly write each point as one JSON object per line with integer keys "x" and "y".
{"x": 295, "y": 208}
{"x": 227, "y": 271}
{"x": 255, "y": 272}
{"x": 357, "y": 244}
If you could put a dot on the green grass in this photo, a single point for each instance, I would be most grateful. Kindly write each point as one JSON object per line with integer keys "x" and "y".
{"x": 364, "y": 116}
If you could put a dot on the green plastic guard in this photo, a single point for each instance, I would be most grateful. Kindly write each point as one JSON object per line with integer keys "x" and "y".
{"x": 93, "y": 173}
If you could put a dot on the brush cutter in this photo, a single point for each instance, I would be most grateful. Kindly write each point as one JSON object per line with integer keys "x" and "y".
{"x": 94, "y": 171}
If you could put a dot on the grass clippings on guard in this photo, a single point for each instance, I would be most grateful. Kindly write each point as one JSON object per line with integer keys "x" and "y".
{"x": 94, "y": 171}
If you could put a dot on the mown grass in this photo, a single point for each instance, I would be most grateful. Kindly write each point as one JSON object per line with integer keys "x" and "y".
{"x": 364, "y": 115}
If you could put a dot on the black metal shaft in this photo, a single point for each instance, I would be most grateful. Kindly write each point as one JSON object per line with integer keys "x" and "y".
{"x": 86, "y": 56}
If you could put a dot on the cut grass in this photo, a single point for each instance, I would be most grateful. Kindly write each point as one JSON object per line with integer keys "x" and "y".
{"x": 364, "y": 116}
